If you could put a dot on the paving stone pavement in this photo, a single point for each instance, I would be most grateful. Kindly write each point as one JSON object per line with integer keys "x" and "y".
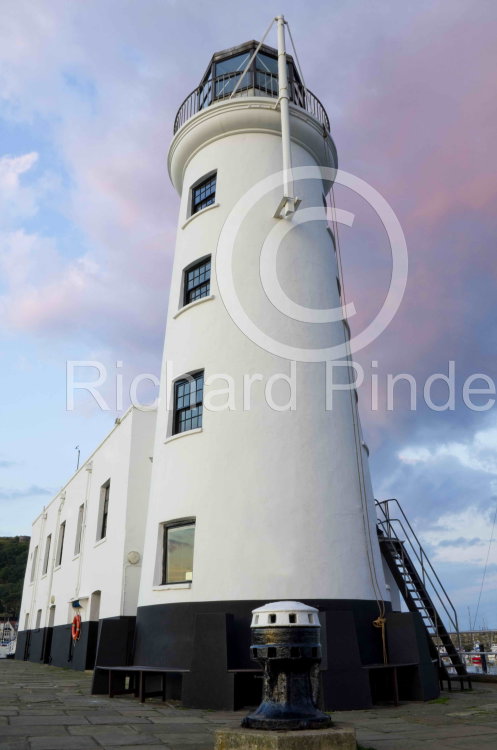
{"x": 47, "y": 708}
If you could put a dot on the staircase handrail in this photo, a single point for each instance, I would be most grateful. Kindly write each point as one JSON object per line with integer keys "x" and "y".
{"x": 422, "y": 558}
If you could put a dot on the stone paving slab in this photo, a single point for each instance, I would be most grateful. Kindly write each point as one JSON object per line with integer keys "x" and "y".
{"x": 64, "y": 743}
{"x": 46, "y": 708}
{"x": 93, "y": 730}
{"x": 20, "y": 744}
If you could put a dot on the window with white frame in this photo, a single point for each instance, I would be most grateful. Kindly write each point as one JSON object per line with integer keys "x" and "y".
{"x": 48, "y": 544}
{"x": 203, "y": 193}
{"x": 103, "y": 510}
{"x": 33, "y": 563}
{"x": 60, "y": 543}
{"x": 177, "y": 551}
{"x": 188, "y": 400}
{"x": 197, "y": 281}
{"x": 79, "y": 529}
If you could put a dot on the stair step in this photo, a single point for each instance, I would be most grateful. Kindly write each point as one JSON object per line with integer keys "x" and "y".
{"x": 413, "y": 586}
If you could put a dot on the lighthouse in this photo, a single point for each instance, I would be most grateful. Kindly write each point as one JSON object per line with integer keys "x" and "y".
{"x": 260, "y": 490}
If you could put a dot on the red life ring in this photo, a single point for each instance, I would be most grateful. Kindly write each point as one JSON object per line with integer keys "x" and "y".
{"x": 76, "y": 627}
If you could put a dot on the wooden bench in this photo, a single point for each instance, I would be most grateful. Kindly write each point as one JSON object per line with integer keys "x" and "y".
{"x": 392, "y": 670}
{"x": 137, "y": 680}
{"x": 450, "y": 678}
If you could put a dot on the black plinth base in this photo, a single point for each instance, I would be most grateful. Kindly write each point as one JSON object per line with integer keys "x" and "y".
{"x": 266, "y": 717}
{"x": 212, "y": 640}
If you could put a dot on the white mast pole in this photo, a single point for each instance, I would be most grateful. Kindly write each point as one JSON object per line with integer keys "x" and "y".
{"x": 288, "y": 204}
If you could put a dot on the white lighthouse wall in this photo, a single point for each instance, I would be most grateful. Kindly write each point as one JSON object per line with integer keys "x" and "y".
{"x": 275, "y": 494}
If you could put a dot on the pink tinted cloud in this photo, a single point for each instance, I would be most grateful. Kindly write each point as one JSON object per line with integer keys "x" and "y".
{"x": 421, "y": 129}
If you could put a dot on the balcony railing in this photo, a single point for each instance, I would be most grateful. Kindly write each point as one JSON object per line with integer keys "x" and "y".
{"x": 265, "y": 84}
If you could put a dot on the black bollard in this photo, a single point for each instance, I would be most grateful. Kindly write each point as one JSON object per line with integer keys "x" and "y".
{"x": 285, "y": 641}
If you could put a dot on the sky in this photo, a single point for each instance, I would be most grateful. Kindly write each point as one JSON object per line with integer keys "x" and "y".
{"x": 88, "y": 95}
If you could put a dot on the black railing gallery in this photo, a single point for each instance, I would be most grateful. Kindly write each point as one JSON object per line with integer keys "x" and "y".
{"x": 258, "y": 83}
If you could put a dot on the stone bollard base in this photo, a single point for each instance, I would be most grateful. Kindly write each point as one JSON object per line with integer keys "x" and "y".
{"x": 339, "y": 736}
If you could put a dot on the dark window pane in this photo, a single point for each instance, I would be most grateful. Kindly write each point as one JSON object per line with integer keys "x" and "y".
{"x": 62, "y": 531}
{"x": 232, "y": 64}
{"x": 204, "y": 194}
{"x": 188, "y": 408}
{"x": 226, "y": 84}
{"x": 267, "y": 82}
{"x": 266, "y": 63}
{"x": 205, "y": 93}
{"x": 197, "y": 281}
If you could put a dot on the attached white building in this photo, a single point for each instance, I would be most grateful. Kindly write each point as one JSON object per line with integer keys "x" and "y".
{"x": 87, "y": 547}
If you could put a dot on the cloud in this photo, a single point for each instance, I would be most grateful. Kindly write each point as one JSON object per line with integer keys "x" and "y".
{"x": 478, "y": 452}
{"x": 10, "y": 169}
{"x": 20, "y": 494}
{"x": 463, "y": 537}
{"x": 102, "y": 274}
{"x": 455, "y": 520}
{"x": 88, "y": 231}
{"x": 460, "y": 542}
{"x": 7, "y": 464}
{"x": 19, "y": 201}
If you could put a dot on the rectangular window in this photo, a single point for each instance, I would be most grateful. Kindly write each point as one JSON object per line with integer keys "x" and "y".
{"x": 177, "y": 559}
{"x": 79, "y": 529}
{"x": 104, "y": 510}
{"x": 188, "y": 397}
{"x": 33, "y": 563}
{"x": 204, "y": 194}
{"x": 60, "y": 544}
{"x": 26, "y": 621}
{"x": 48, "y": 544}
{"x": 38, "y": 619}
{"x": 198, "y": 281}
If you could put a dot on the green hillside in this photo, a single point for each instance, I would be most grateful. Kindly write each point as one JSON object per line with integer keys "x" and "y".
{"x": 13, "y": 556}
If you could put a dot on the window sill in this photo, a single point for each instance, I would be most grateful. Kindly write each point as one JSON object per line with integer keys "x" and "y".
{"x": 100, "y": 541}
{"x": 172, "y": 586}
{"x": 76, "y": 556}
{"x": 183, "y": 434}
{"x": 192, "y": 304}
{"x": 199, "y": 213}
{"x": 57, "y": 567}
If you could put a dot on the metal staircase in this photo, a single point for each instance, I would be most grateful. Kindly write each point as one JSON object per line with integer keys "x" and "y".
{"x": 418, "y": 582}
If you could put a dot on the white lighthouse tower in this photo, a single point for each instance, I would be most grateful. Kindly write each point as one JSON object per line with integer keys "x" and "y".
{"x": 260, "y": 489}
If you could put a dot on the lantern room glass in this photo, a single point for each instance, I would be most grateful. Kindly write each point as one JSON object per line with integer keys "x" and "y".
{"x": 224, "y": 75}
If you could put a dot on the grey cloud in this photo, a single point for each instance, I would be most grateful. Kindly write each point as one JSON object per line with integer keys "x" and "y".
{"x": 34, "y": 490}
{"x": 459, "y": 542}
